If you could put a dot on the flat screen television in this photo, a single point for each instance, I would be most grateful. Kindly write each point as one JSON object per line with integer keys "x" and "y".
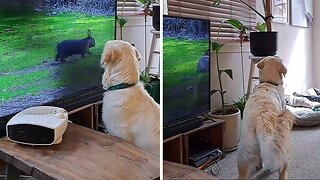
{"x": 29, "y": 34}
{"x": 186, "y": 73}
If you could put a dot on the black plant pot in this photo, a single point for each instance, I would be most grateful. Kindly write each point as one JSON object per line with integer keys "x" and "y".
{"x": 156, "y": 17}
{"x": 263, "y": 43}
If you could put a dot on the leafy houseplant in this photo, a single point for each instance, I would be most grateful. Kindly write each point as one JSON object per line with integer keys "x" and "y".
{"x": 263, "y": 43}
{"x": 266, "y": 18}
{"x": 151, "y": 84}
{"x": 229, "y": 114}
{"x": 216, "y": 47}
{"x": 241, "y": 103}
{"x": 242, "y": 36}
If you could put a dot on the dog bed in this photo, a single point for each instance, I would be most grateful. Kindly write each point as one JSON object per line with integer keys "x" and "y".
{"x": 305, "y": 116}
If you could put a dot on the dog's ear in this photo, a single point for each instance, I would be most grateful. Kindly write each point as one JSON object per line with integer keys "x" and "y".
{"x": 108, "y": 55}
{"x": 260, "y": 64}
{"x": 104, "y": 57}
{"x": 138, "y": 55}
{"x": 282, "y": 69}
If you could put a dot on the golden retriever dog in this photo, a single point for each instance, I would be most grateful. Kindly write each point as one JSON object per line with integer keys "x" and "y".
{"x": 266, "y": 125}
{"x": 129, "y": 112}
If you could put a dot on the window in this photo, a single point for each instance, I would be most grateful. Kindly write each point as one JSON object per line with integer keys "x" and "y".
{"x": 280, "y": 11}
{"x": 203, "y": 9}
{"x": 129, "y": 8}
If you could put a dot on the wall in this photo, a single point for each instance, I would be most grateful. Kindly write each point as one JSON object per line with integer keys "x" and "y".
{"x": 134, "y": 32}
{"x": 295, "y": 47}
{"x": 316, "y": 42}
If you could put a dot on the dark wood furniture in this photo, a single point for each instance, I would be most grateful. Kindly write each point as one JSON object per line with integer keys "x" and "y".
{"x": 173, "y": 170}
{"x": 178, "y": 148}
{"x": 82, "y": 154}
{"x": 88, "y": 116}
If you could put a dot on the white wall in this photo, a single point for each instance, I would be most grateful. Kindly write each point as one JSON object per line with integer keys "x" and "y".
{"x": 134, "y": 32}
{"x": 295, "y": 47}
{"x": 316, "y": 42}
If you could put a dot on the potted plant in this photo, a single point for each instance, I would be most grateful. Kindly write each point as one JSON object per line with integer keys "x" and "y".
{"x": 230, "y": 114}
{"x": 242, "y": 36}
{"x": 151, "y": 84}
{"x": 263, "y": 42}
{"x": 241, "y": 103}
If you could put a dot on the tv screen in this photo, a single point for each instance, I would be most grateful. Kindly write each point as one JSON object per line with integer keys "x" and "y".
{"x": 51, "y": 49}
{"x": 186, "y": 68}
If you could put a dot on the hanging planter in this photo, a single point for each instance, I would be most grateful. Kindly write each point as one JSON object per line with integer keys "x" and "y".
{"x": 156, "y": 17}
{"x": 263, "y": 43}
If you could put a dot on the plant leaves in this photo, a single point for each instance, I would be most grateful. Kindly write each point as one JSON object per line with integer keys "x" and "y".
{"x": 122, "y": 21}
{"x": 253, "y": 9}
{"x": 224, "y": 92}
{"x": 214, "y": 91}
{"x": 216, "y": 3}
{"x": 235, "y": 23}
{"x": 146, "y": 2}
{"x": 216, "y": 45}
{"x": 229, "y": 72}
{"x": 261, "y": 27}
{"x": 141, "y": 1}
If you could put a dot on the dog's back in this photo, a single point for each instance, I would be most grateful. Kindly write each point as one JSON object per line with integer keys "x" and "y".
{"x": 266, "y": 126}
{"x": 266, "y": 130}
{"x": 133, "y": 115}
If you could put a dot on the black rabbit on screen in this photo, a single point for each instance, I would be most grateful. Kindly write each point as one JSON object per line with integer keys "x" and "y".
{"x": 67, "y": 48}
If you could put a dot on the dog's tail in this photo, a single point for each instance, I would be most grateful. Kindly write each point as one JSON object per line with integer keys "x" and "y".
{"x": 275, "y": 141}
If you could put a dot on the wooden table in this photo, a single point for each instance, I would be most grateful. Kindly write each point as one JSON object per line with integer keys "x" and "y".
{"x": 82, "y": 154}
{"x": 173, "y": 170}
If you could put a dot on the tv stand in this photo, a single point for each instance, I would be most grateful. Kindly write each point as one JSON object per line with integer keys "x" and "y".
{"x": 182, "y": 126}
{"x": 196, "y": 144}
{"x": 88, "y": 115}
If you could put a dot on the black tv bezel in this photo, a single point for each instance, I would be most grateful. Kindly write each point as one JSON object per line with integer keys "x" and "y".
{"x": 186, "y": 123}
{"x": 74, "y": 100}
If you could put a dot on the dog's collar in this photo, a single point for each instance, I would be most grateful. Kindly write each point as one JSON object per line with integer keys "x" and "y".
{"x": 270, "y": 82}
{"x": 119, "y": 86}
